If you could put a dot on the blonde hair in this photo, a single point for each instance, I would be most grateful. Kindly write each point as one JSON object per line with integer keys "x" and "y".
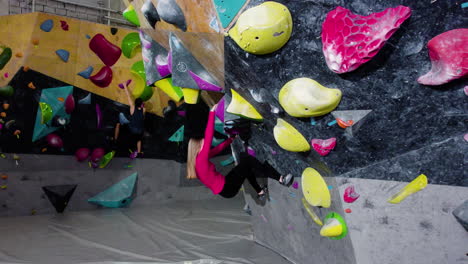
{"x": 194, "y": 147}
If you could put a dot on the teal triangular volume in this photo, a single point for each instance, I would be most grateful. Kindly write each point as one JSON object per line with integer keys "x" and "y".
{"x": 219, "y": 126}
{"x": 118, "y": 195}
{"x": 51, "y": 97}
{"x": 178, "y": 136}
{"x": 227, "y": 10}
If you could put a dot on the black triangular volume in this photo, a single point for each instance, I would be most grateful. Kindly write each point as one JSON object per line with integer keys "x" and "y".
{"x": 150, "y": 12}
{"x": 59, "y": 195}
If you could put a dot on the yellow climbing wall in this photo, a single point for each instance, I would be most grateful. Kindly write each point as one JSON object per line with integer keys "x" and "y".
{"x": 22, "y": 33}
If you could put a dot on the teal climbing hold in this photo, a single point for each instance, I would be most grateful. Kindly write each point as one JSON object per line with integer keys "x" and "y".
{"x": 178, "y": 136}
{"x": 118, "y": 195}
{"x": 87, "y": 72}
{"x": 63, "y": 54}
{"x": 216, "y": 142}
{"x": 228, "y": 161}
{"x": 219, "y": 126}
{"x": 47, "y": 25}
{"x": 85, "y": 100}
{"x": 227, "y": 10}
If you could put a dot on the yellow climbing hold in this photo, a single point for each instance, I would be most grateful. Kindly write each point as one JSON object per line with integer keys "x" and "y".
{"x": 289, "y": 138}
{"x": 414, "y": 186}
{"x": 239, "y": 106}
{"x": 311, "y": 213}
{"x": 332, "y": 228}
{"x": 174, "y": 92}
{"x": 304, "y": 97}
{"x": 190, "y": 95}
{"x": 315, "y": 188}
{"x": 263, "y": 29}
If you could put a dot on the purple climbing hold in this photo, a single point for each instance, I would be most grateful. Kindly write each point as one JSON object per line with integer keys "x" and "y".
{"x": 47, "y": 25}
{"x": 87, "y": 72}
{"x": 99, "y": 116}
{"x": 220, "y": 109}
{"x": 63, "y": 54}
{"x": 163, "y": 66}
{"x": 203, "y": 84}
{"x": 129, "y": 81}
{"x": 295, "y": 185}
{"x": 251, "y": 151}
{"x": 181, "y": 113}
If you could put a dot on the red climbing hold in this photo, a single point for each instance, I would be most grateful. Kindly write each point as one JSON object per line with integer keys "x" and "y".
{"x": 347, "y": 210}
{"x": 103, "y": 78}
{"x": 350, "y": 40}
{"x": 105, "y": 50}
{"x": 323, "y": 147}
{"x": 350, "y": 195}
{"x": 64, "y": 25}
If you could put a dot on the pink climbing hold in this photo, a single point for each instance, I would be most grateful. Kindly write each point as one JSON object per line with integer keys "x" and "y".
{"x": 69, "y": 104}
{"x": 466, "y": 137}
{"x": 54, "y": 141}
{"x": 251, "y": 151}
{"x": 203, "y": 84}
{"x": 97, "y": 154}
{"x": 220, "y": 109}
{"x": 162, "y": 66}
{"x": 6, "y": 75}
{"x": 295, "y": 185}
{"x": 323, "y": 146}
{"x": 350, "y": 195}
{"x": 102, "y": 78}
{"x": 82, "y": 154}
{"x": 466, "y": 90}
{"x": 447, "y": 52}
{"x": 105, "y": 50}
{"x": 350, "y": 40}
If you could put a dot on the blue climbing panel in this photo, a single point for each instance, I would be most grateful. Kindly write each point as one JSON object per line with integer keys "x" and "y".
{"x": 118, "y": 195}
{"x": 227, "y": 10}
{"x": 51, "y": 97}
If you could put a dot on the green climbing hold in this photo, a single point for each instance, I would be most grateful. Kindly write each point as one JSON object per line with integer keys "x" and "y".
{"x": 141, "y": 89}
{"x": 7, "y": 91}
{"x": 178, "y": 136}
{"x": 106, "y": 159}
{"x": 46, "y": 112}
{"x": 131, "y": 16}
{"x": 5, "y": 56}
{"x": 131, "y": 45}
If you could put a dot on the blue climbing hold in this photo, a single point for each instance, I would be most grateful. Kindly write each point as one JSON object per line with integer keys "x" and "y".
{"x": 85, "y": 100}
{"x": 118, "y": 195}
{"x": 63, "y": 54}
{"x": 88, "y": 36}
{"x": 227, "y": 10}
{"x": 122, "y": 119}
{"x": 47, "y": 25}
{"x": 87, "y": 72}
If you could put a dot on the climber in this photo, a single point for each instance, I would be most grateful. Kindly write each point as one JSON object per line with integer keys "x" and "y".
{"x": 199, "y": 166}
{"x": 136, "y": 122}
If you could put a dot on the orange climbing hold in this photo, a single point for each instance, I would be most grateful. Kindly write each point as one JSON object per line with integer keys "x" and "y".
{"x": 4, "y": 176}
{"x": 26, "y": 68}
{"x": 60, "y": 99}
{"x": 19, "y": 54}
{"x": 35, "y": 42}
{"x": 6, "y": 106}
{"x": 31, "y": 85}
{"x": 2, "y": 114}
{"x": 344, "y": 124}
{"x": 43, "y": 150}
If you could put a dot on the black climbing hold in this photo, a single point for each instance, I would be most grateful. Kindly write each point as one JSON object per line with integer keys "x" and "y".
{"x": 59, "y": 195}
{"x": 150, "y": 13}
{"x": 113, "y": 30}
{"x": 171, "y": 12}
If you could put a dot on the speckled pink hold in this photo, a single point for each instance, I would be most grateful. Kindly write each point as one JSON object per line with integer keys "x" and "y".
{"x": 350, "y": 195}
{"x": 323, "y": 146}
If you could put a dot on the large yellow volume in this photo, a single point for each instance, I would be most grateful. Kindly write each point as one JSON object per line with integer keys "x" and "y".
{"x": 414, "y": 186}
{"x": 315, "y": 188}
{"x": 304, "y": 97}
{"x": 190, "y": 95}
{"x": 174, "y": 92}
{"x": 289, "y": 138}
{"x": 263, "y": 29}
{"x": 239, "y": 106}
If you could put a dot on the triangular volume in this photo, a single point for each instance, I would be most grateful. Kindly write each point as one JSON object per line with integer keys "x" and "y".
{"x": 351, "y": 120}
{"x": 118, "y": 195}
{"x": 51, "y": 98}
{"x": 227, "y": 10}
{"x": 178, "y": 136}
{"x": 59, "y": 195}
{"x": 154, "y": 59}
{"x": 187, "y": 72}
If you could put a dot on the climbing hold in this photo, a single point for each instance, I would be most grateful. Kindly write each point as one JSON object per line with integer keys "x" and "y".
{"x": 141, "y": 90}
{"x": 350, "y": 40}
{"x": 414, "y": 186}
{"x": 131, "y": 16}
{"x": 350, "y": 195}
{"x": 118, "y": 195}
{"x": 311, "y": 212}
{"x": 227, "y": 162}
{"x": 447, "y": 52}
{"x": 122, "y": 119}
{"x": 97, "y": 155}
{"x": 465, "y": 137}
{"x": 220, "y": 109}
{"x": 4, "y": 176}
{"x": 63, "y": 54}
{"x": 98, "y": 117}
{"x": 60, "y": 99}
{"x": 204, "y": 84}
{"x": 19, "y": 55}
{"x": 85, "y": 100}
{"x": 289, "y": 138}
{"x": 103, "y": 77}
{"x": 17, "y": 133}
{"x": 114, "y": 30}
{"x": 315, "y": 188}
{"x": 106, "y": 159}
{"x": 251, "y": 152}
{"x": 170, "y": 12}
{"x": 35, "y": 42}
{"x": 131, "y": 45}
{"x": 239, "y": 106}
{"x": 323, "y": 147}
{"x": 82, "y": 154}
{"x": 88, "y": 36}
{"x": 127, "y": 83}
{"x": 105, "y": 50}
{"x": 162, "y": 65}
{"x": 227, "y": 10}
{"x": 43, "y": 150}
{"x": 181, "y": 113}
{"x": 295, "y": 185}
{"x": 54, "y": 141}
{"x": 304, "y": 97}
{"x": 69, "y": 104}
{"x": 263, "y": 29}
{"x": 46, "y": 112}
{"x": 3, "y": 187}
{"x": 174, "y": 92}
{"x": 151, "y": 14}
{"x": 178, "y": 136}
{"x": 26, "y": 68}
{"x": 64, "y": 25}
{"x": 6, "y": 75}
{"x": 344, "y": 124}
{"x": 465, "y": 90}
{"x": 351, "y": 120}
{"x": 347, "y": 210}
{"x": 59, "y": 195}
{"x": 7, "y": 91}
{"x": 335, "y": 226}
{"x": 5, "y": 56}
{"x": 3, "y": 114}
{"x": 87, "y": 72}
{"x": 191, "y": 95}
{"x": 47, "y": 25}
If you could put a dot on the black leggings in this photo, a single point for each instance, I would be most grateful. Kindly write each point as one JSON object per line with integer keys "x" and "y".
{"x": 248, "y": 167}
